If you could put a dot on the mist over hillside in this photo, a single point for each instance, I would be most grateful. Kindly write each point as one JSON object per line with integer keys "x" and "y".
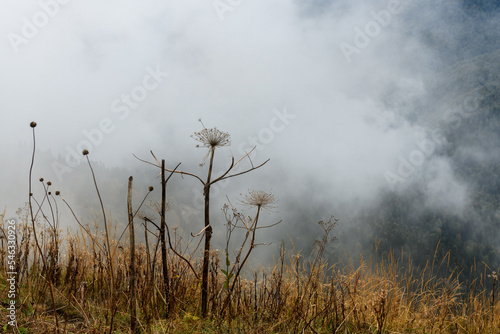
{"x": 394, "y": 131}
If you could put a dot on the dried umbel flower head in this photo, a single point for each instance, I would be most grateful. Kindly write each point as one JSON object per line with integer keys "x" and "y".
{"x": 85, "y": 152}
{"x": 260, "y": 199}
{"x": 212, "y": 138}
{"x": 33, "y": 124}
{"x": 151, "y": 188}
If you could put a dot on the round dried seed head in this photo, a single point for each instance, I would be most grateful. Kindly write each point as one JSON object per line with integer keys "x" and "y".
{"x": 212, "y": 138}
{"x": 151, "y": 188}
{"x": 259, "y": 198}
{"x": 85, "y": 152}
{"x": 33, "y": 124}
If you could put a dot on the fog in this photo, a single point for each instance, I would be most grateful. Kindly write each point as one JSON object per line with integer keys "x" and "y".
{"x": 340, "y": 95}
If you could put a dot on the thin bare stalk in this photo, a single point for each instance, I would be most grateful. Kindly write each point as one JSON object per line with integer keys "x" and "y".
{"x": 108, "y": 248}
{"x": 162, "y": 239}
{"x": 33, "y": 125}
{"x": 208, "y": 237}
{"x": 132, "y": 283}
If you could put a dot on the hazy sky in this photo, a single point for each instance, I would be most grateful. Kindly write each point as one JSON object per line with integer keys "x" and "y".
{"x": 308, "y": 82}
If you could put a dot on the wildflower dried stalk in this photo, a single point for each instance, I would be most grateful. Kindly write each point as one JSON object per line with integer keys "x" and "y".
{"x": 211, "y": 139}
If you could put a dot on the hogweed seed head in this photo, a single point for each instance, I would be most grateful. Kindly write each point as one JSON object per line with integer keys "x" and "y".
{"x": 260, "y": 199}
{"x": 212, "y": 138}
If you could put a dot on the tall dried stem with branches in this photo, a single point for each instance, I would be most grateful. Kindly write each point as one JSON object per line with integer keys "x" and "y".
{"x": 210, "y": 138}
{"x": 261, "y": 200}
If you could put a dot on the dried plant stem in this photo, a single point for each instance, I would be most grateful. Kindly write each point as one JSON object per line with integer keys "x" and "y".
{"x": 252, "y": 230}
{"x": 162, "y": 238}
{"x": 112, "y": 305}
{"x": 34, "y": 231}
{"x": 208, "y": 237}
{"x": 132, "y": 268}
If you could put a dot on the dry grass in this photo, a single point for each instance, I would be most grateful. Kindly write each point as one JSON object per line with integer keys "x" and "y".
{"x": 296, "y": 295}
{"x": 82, "y": 281}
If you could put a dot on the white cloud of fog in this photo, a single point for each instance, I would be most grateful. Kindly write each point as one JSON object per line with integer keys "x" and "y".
{"x": 232, "y": 73}
{"x": 443, "y": 192}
